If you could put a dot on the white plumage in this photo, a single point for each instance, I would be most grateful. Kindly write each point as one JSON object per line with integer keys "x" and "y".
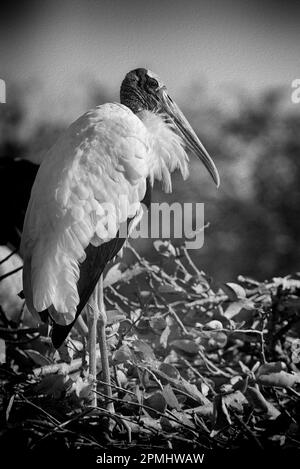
{"x": 90, "y": 185}
{"x": 91, "y": 181}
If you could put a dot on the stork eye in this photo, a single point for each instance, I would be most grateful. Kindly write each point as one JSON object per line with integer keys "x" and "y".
{"x": 152, "y": 82}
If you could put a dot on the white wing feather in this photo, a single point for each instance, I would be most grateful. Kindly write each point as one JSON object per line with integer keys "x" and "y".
{"x": 100, "y": 159}
{"x": 91, "y": 181}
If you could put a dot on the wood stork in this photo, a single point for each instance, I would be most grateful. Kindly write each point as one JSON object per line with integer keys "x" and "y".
{"x": 72, "y": 224}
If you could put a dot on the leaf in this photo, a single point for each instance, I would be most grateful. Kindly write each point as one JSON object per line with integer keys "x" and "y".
{"x": 272, "y": 367}
{"x": 150, "y": 422}
{"x": 143, "y": 325}
{"x": 145, "y": 294}
{"x": 235, "y": 401}
{"x": 122, "y": 355}
{"x": 245, "y": 369}
{"x": 139, "y": 394}
{"x": 119, "y": 273}
{"x": 203, "y": 410}
{"x": 158, "y": 323}
{"x": 83, "y": 389}
{"x": 157, "y": 402}
{"x": 194, "y": 392}
{"x": 234, "y": 291}
{"x": 2, "y": 351}
{"x": 233, "y": 309}
{"x": 164, "y": 336}
{"x": 170, "y": 397}
{"x": 9, "y": 407}
{"x": 169, "y": 370}
{"x": 170, "y": 289}
{"x": 296, "y": 356}
{"x": 221, "y": 415}
{"x": 204, "y": 389}
{"x": 216, "y": 340}
{"x": 184, "y": 418}
{"x": 114, "y": 275}
{"x": 281, "y": 379}
{"x": 125, "y": 327}
{"x": 241, "y": 308}
{"x": 240, "y": 384}
{"x": 144, "y": 349}
{"x": 258, "y": 402}
{"x": 37, "y": 358}
{"x": 113, "y": 316}
{"x": 168, "y": 425}
{"x": 213, "y": 325}
{"x": 121, "y": 377}
{"x": 199, "y": 288}
{"x": 52, "y": 385}
{"x": 132, "y": 272}
{"x": 185, "y": 345}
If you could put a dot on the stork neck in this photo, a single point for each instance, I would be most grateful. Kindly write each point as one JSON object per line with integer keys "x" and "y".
{"x": 136, "y": 100}
{"x": 133, "y": 104}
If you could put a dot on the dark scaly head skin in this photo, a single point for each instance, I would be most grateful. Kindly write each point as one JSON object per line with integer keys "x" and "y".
{"x": 140, "y": 90}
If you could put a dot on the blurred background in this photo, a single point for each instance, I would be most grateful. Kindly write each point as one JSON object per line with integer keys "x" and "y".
{"x": 228, "y": 64}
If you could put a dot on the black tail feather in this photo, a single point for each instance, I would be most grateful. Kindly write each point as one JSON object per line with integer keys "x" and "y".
{"x": 90, "y": 272}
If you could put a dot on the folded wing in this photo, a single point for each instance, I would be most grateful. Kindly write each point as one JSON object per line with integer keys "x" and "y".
{"x": 87, "y": 188}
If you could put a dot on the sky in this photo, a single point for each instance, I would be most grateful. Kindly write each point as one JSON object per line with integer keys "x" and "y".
{"x": 59, "y": 46}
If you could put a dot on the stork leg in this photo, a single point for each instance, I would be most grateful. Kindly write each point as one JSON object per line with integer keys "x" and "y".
{"x": 98, "y": 320}
{"x": 103, "y": 346}
{"x": 92, "y": 311}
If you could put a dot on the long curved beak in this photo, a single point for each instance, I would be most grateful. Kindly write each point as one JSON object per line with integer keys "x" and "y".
{"x": 189, "y": 136}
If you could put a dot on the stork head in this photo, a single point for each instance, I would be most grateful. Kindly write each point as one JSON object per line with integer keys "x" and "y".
{"x": 142, "y": 90}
